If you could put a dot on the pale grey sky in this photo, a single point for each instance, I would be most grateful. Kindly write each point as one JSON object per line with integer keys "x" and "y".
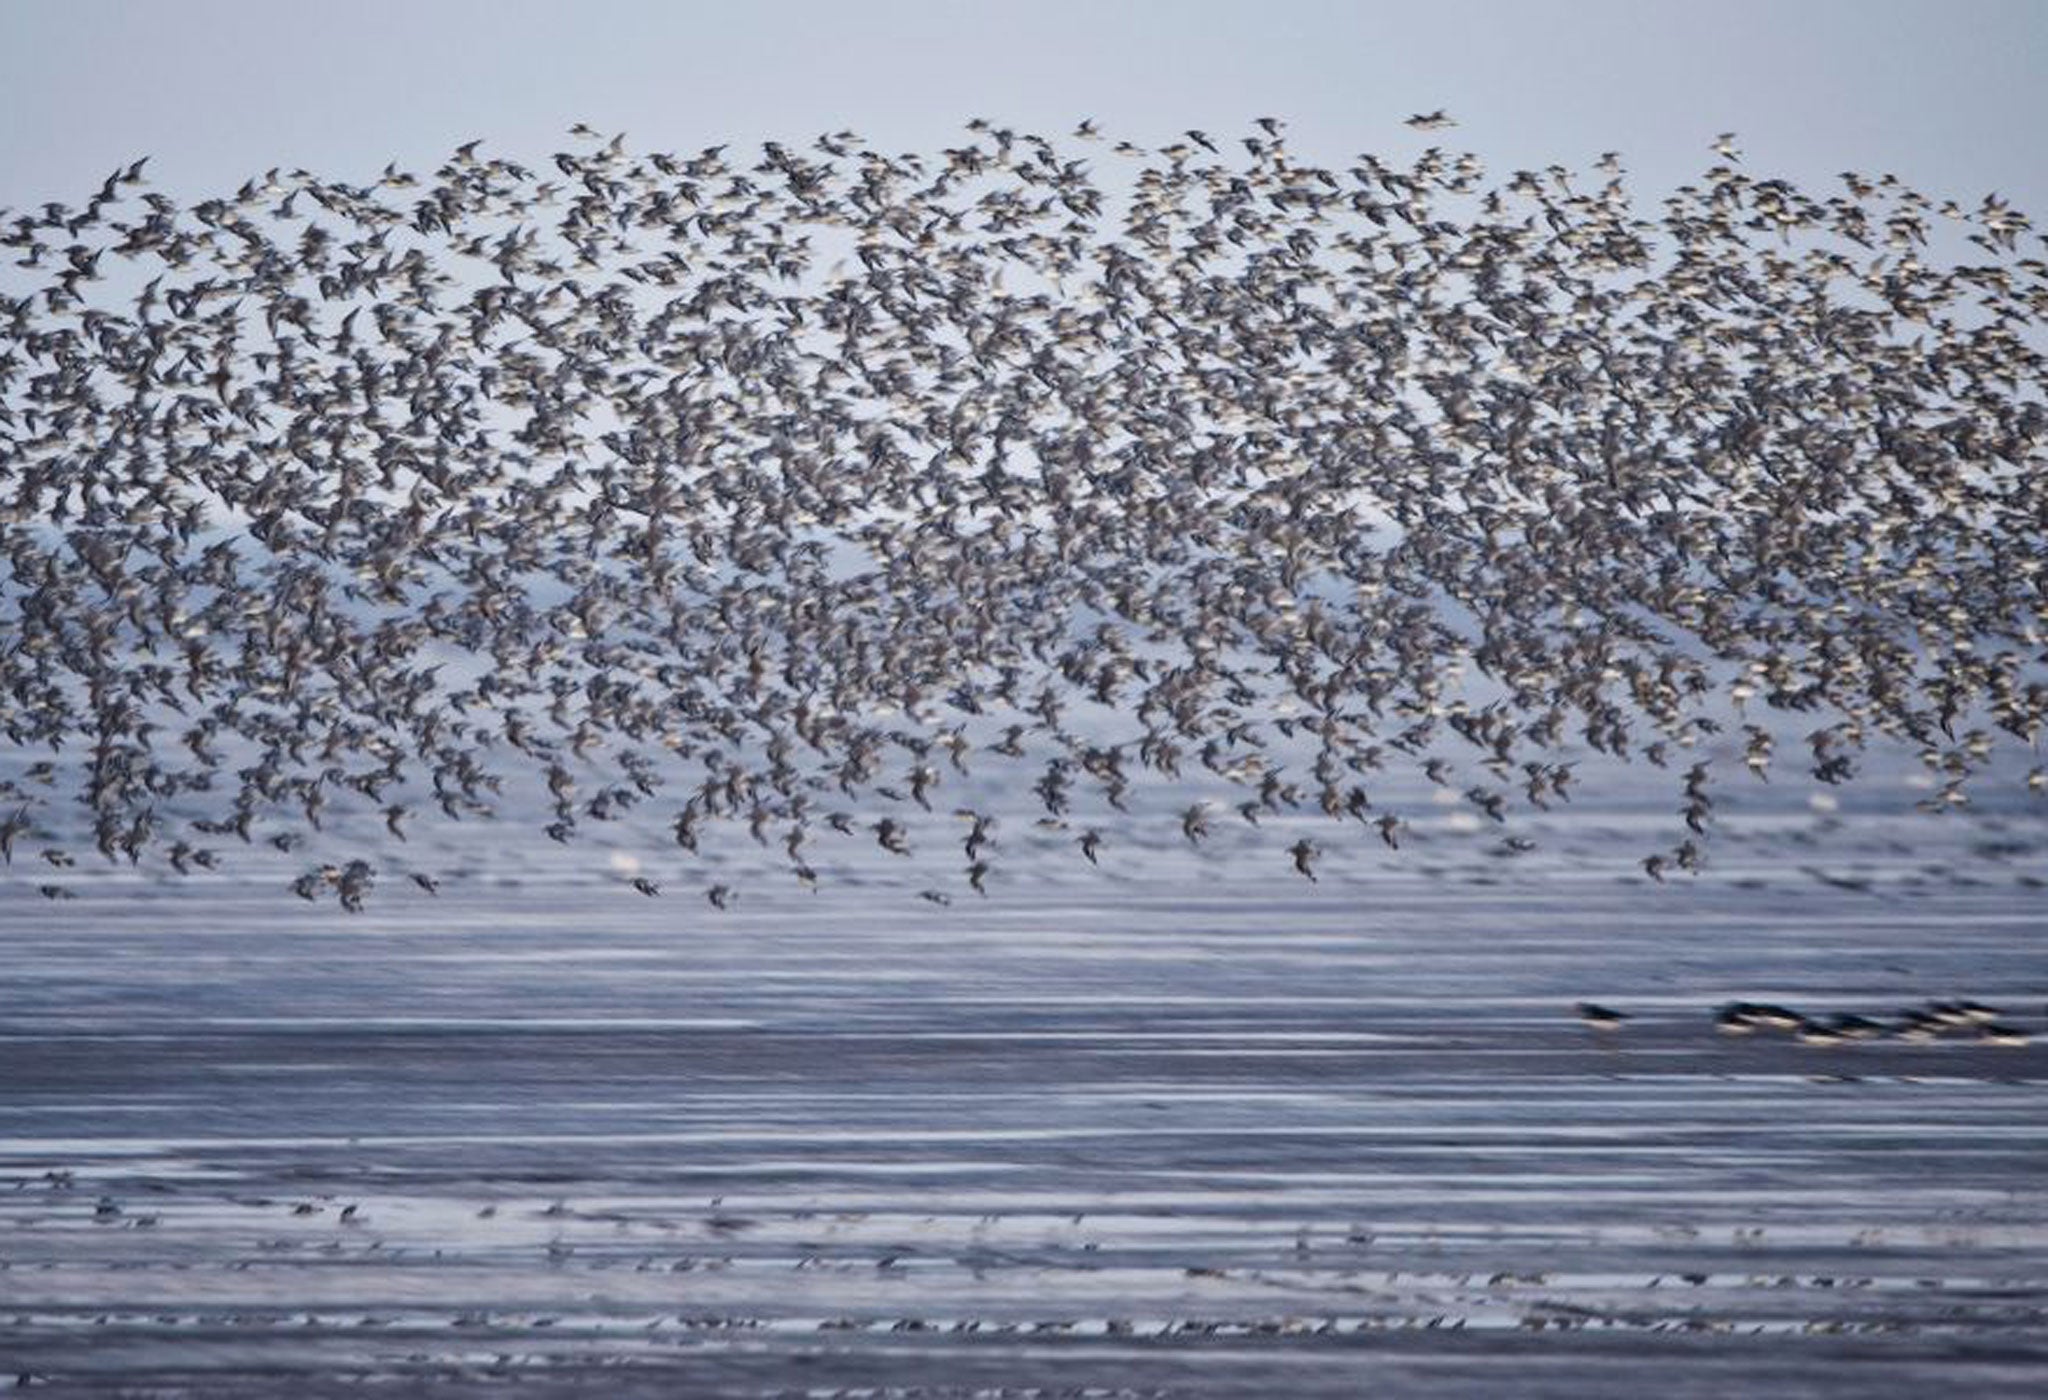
{"x": 1947, "y": 93}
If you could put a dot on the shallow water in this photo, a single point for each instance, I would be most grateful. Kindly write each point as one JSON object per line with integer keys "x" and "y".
{"x": 1207, "y": 1133}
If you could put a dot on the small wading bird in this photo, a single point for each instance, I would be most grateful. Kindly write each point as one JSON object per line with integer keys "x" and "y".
{"x": 1600, "y": 1018}
{"x": 759, "y": 493}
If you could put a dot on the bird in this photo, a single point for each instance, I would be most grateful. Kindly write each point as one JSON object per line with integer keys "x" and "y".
{"x": 1431, "y": 121}
{"x": 979, "y": 833}
{"x": 1600, "y": 1018}
{"x": 1304, "y": 853}
{"x": 15, "y": 825}
{"x": 1819, "y": 1033}
{"x": 1771, "y": 1016}
{"x": 1736, "y": 1018}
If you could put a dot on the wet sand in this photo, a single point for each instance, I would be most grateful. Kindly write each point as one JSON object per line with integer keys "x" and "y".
{"x": 1171, "y": 1138}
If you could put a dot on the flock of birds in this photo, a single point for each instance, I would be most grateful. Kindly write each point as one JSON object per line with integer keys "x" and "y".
{"x": 1954, "y": 1021}
{"x": 773, "y": 491}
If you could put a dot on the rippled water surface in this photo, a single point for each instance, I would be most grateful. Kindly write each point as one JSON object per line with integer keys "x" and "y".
{"x": 1199, "y": 1133}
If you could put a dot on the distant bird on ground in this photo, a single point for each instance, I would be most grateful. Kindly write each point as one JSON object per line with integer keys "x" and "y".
{"x": 1600, "y": 1018}
{"x": 1736, "y": 1018}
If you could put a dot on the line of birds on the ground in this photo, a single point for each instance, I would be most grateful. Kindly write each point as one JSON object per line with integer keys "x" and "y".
{"x": 794, "y": 483}
{"x": 1935, "y": 1020}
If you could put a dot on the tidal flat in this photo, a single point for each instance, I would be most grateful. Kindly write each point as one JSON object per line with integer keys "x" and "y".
{"x": 1198, "y": 1133}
